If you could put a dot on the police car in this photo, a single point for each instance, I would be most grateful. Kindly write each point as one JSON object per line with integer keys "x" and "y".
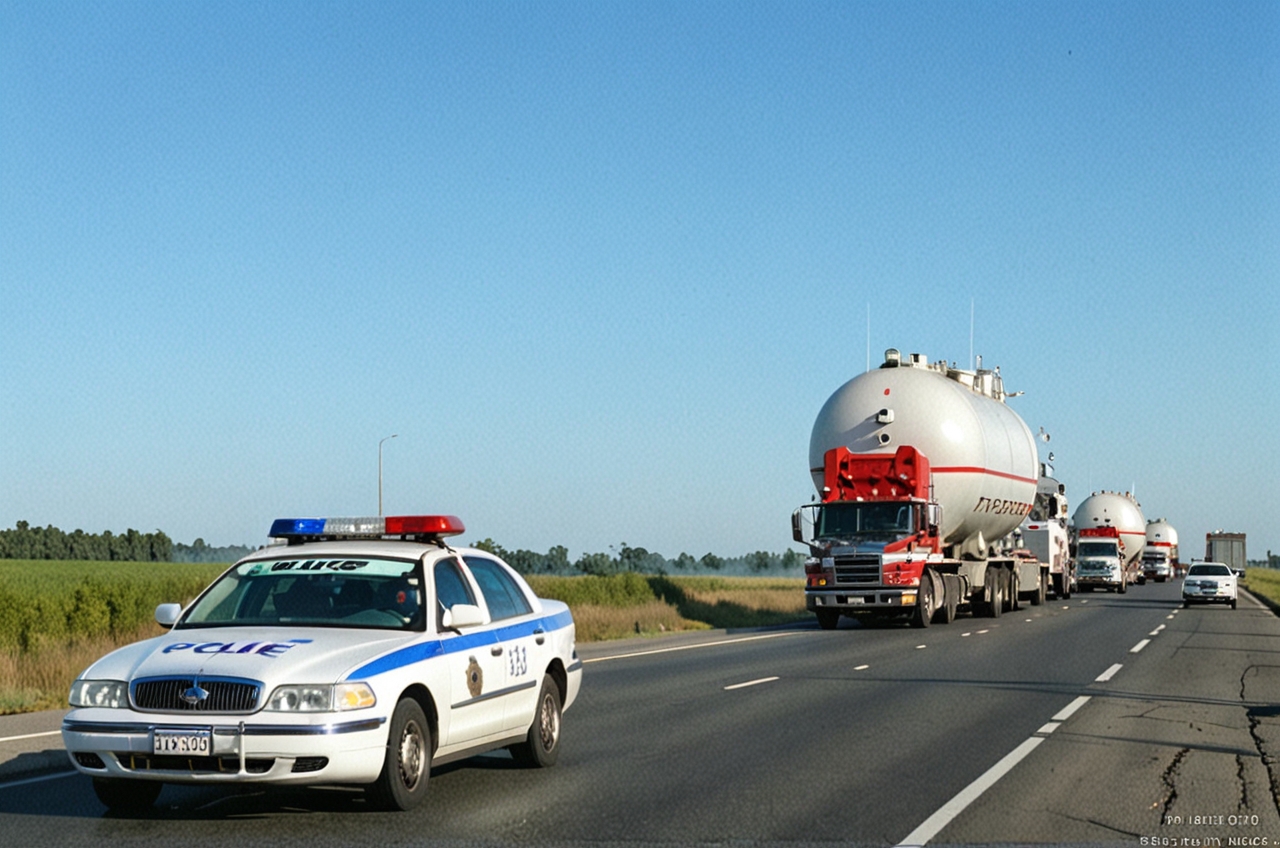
{"x": 351, "y": 651}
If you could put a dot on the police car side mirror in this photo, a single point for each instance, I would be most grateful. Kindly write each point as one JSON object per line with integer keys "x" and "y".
{"x": 167, "y": 614}
{"x": 462, "y": 615}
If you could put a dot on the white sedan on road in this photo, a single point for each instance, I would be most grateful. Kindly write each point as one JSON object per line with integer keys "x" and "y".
{"x": 1209, "y": 582}
{"x": 355, "y": 651}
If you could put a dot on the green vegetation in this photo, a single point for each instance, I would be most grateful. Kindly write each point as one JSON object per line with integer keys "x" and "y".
{"x": 1264, "y": 584}
{"x": 58, "y": 600}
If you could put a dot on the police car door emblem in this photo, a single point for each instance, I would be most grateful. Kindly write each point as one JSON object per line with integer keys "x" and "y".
{"x": 475, "y": 678}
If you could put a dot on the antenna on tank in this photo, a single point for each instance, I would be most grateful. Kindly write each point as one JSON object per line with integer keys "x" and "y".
{"x": 970, "y": 334}
{"x": 868, "y": 335}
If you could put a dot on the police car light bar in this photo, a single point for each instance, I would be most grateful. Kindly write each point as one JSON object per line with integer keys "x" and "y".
{"x": 299, "y": 529}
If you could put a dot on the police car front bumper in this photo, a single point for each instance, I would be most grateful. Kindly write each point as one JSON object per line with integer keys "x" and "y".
{"x": 210, "y": 749}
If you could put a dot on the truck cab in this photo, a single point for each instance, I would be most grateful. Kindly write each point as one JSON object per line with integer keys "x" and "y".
{"x": 1100, "y": 560}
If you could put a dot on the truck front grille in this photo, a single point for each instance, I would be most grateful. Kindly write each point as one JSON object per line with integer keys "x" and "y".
{"x": 198, "y": 695}
{"x": 858, "y": 570}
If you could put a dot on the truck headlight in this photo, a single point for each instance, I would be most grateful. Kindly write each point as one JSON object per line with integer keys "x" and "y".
{"x": 321, "y": 698}
{"x": 112, "y": 694}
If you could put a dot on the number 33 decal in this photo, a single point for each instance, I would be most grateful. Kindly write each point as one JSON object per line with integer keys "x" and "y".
{"x": 517, "y": 661}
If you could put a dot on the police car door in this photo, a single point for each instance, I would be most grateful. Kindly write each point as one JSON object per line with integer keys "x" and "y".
{"x": 519, "y": 635}
{"x": 477, "y": 667}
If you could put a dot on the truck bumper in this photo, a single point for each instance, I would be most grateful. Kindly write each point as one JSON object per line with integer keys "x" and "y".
{"x": 850, "y": 601}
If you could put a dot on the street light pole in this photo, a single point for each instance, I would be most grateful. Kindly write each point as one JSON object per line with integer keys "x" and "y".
{"x": 380, "y": 472}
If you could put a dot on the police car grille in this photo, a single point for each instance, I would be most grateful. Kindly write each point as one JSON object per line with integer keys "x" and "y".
{"x": 194, "y": 765}
{"x": 858, "y": 570}
{"x": 224, "y": 696}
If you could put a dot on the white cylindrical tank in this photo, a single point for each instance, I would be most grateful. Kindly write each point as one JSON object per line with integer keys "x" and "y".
{"x": 1160, "y": 533}
{"x": 1117, "y": 510}
{"x": 982, "y": 455}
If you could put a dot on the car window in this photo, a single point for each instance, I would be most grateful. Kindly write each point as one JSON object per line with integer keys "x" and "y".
{"x": 1216, "y": 570}
{"x": 451, "y": 586}
{"x": 500, "y": 591}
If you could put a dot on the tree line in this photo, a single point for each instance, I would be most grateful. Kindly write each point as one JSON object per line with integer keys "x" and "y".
{"x": 50, "y": 543}
{"x": 637, "y": 560}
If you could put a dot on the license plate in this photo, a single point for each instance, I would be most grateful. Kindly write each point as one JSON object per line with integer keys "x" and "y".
{"x": 857, "y": 599}
{"x": 197, "y": 742}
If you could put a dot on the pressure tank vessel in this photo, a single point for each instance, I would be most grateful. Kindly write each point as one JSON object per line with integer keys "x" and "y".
{"x": 983, "y": 456}
{"x": 1160, "y": 533}
{"x": 1102, "y": 509}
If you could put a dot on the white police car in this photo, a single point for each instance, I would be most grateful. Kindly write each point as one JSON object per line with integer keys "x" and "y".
{"x": 361, "y": 651}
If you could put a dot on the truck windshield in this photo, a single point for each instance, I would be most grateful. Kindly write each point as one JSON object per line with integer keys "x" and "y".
{"x": 1096, "y": 549}
{"x": 884, "y": 521}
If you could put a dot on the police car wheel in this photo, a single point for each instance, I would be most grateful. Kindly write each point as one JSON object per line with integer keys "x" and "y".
{"x": 541, "y": 747}
{"x": 126, "y": 795}
{"x": 407, "y": 765}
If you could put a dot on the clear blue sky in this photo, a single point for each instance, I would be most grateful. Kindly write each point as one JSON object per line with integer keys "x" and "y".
{"x": 598, "y": 265}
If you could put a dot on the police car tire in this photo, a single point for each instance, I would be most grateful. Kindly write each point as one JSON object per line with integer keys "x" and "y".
{"x": 126, "y": 795}
{"x": 407, "y": 764}
{"x": 541, "y": 748}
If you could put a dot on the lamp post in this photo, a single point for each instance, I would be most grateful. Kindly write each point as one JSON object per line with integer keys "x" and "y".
{"x": 380, "y": 471}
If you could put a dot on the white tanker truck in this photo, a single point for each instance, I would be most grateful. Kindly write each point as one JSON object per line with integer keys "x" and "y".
{"x": 1160, "y": 553}
{"x": 1110, "y": 534}
{"x": 923, "y": 473}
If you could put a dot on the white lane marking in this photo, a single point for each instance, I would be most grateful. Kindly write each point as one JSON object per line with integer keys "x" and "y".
{"x": 1108, "y": 674}
{"x": 41, "y": 779}
{"x": 936, "y": 822}
{"x": 29, "y": 736}
{"x": 918, "y": 647}
{"x": 1156, "y": 632}
{"x": 1138, "y": 647}
{"x": 691, "y": 647}
{"x": 861, "y": 667}
{"x": 1070, "y": 709}
{"x": 1050, "y": 727}
{"x": 750, "y": 683}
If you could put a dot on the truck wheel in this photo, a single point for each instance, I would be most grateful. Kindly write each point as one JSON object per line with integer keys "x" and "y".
{"x": 827, "y": 619}
{"x": 1233, "y": 603}
{"x": 1041, "y": 590}
{"x": 407, "y": 763}
{"x": 126, "y": 796}
{"x": 926, "y": 603}
{"x": 541, "y": 747}
{"x": 946, "y": 602}
{"x": 1124, "y": 584}
{"x": 994, "y": 590}
{"x": 1013, "y": 588}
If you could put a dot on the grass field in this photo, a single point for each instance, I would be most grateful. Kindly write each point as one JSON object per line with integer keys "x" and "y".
{"x": 58, "y": 617}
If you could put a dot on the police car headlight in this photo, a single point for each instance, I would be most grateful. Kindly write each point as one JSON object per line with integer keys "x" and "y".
{"x": 321, "y": 699}
{"x": 112, "y": 694}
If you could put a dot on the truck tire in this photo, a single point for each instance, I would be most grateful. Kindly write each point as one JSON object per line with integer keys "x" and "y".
{"x": 926, "y": 602}
{"x": 947, "y": 602}
{"x": 1041, "y": 590}
{"x": 1124, "y": 584}
{"x": 993, "y": 592}
{"x": 1012, "y": 590}
{"x": 827, "y": 619}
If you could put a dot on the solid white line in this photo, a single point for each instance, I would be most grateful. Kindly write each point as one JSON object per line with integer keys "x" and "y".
{"x": 936, "y": 822}
{"x": 1070, "y": 709}
{"x": 691, "y": 647}
{"x": 41, "y": 779}
{"x": 750, "y": 683}
{"x": 1108, "y": 674}
{"x": 1138, "y": 647}
{"x": 28, "y": 736}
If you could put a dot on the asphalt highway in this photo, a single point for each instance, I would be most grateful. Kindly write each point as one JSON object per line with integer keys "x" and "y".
{"x": 1102, "y": 719}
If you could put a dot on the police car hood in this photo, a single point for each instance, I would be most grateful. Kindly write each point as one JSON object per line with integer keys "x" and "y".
{"x": 272, "y": 655}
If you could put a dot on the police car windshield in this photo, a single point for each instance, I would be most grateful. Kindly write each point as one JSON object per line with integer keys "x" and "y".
{"x": 359, "y": 593}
